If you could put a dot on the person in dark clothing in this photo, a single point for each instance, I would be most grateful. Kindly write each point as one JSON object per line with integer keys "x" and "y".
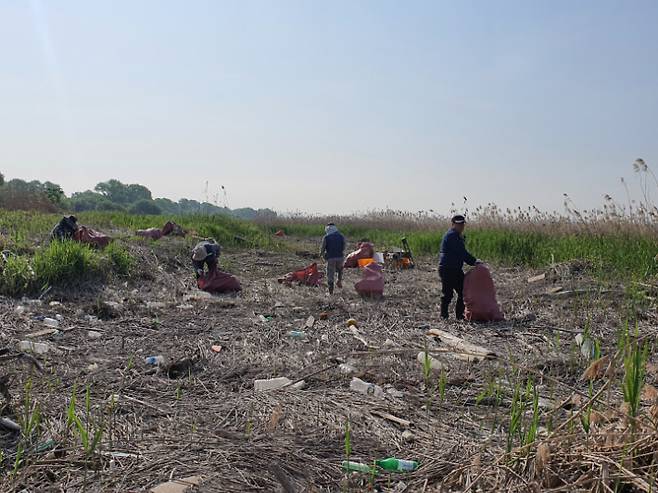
{"x": 65, "y": 228}
{"x": 333, "y": 251}
{"x": 205, "y": 253}
{"x": 451, "y": 261}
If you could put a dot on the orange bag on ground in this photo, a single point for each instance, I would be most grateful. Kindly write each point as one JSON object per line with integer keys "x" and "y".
{"x": 372, "y": 281}
{"x": 480, "y": 296}
{"x": 216, "y": 281}
{"x": 308, "y": 276}
{"x": 91, "y": 237}
{"x": 365, "y": 250}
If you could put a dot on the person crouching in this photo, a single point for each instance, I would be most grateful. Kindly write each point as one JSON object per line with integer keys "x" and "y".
{"x": 205, "y": 253}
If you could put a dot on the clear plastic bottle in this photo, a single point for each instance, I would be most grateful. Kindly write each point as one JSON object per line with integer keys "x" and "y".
{"x": 51, "y": 322}
{"x": 356, "y": 467}
{"x": 296, "y": 334}
{"x": 155, "y": 360}
{"x": 366, "y": 388}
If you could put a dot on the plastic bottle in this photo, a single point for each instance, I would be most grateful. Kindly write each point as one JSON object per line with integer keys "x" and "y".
{"x": 296, "y": 334}
{"x": 366, "y": 388}
{"x": 356, "y": 467}
{"x": 154, "y": 360}
{"x": 51, "y": 322}
{"x": 34, "y": 347}
{"x": 397, "y": 465}
{"x": 435, "y": 364}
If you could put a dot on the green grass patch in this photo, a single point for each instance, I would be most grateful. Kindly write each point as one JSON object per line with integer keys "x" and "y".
{"x": 65, "y": 263}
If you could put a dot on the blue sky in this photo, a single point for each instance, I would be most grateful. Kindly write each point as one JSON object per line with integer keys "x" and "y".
{"x": 332, "y": 107}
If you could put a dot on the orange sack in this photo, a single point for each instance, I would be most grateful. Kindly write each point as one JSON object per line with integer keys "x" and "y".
{"x": 216, "y": 281}
{"x": 91, "y": 237}
{"x": 480, "y": 296}
{"x": 364, "y": 250}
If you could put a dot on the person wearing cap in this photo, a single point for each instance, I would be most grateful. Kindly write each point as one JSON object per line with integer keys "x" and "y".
{"x": 451, "y": 261}
{"x": 333, "y": 251}
{"x": 65, "y": 228}
{"x": 205, "y": 252}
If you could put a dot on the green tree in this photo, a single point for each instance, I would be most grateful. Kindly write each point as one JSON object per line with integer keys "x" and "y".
{"x": 146, "y": 207}
{"x": 120, "y": 193}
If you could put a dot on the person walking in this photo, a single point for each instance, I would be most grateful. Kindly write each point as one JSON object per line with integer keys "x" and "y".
{"x": 451, "y": 261}
{"x": 333, "y": 251}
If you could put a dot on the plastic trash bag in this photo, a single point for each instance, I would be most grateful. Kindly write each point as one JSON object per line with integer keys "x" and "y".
{"x": 216, "y": 281}
{"x": 480, "y": 296}
{"x": 372, "y": 281}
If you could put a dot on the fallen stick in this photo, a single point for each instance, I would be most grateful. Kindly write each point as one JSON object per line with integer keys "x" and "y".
{"x": 461, "y": 345}
{"x": 389, "y": 417}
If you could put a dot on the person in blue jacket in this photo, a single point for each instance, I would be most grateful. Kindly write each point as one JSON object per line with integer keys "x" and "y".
{"x": 451, "y": 261}
{"x": 333, "y": 251}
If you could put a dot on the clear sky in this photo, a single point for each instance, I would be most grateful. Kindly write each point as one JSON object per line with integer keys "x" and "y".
{"x": 333, "y": 106}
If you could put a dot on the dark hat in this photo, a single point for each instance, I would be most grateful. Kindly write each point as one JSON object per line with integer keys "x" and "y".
{"x": 458, "y": 219}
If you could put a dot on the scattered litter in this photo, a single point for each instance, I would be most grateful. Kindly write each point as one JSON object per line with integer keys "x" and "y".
{"x": 324, "y": 337}
{"x": 346, "y": 368}
{"x": 59, "y": 317}
{"x": 155, "y": 304}
{"x": 397, "y": 465}
{"x": 277, "y": 383}
{"x": 19, "y": 310}
{"x": 91, "y": 318}
{"x": 296, "y": 334}
{"x": 434, "y": 363}
{"x": 278, "y": 304}
{"x": 357, "y": 335}
{"x": 155, "y": 360}
{"x": 366, "y": 388}
{"x": 185, "y": 307}
{"x": 324, "y": 316}
{"x": 351, "y": 466}
{"x": 389, "y": 343}
{"x": 351, "y": 322}
{"x": 44, "y": 332}
{"x": 458, "y": 344}
{"x": 94, "y": 334}
{"x": 177, "y": 485}
{"x": 309, "y": 322}
{"x": 54, "y": 303}
{"x": 92, "y": 367}
{"x": 120, "y": 455}
{"x": 555, "y": 290}
{"x": 51, "y": 322}
{"x": 408, "y": 436}
{"x": 216, "y": 348}
{"x": 537, "y": 278}
{"x": 587, "y": 346}
{"x": 9, "y": 424}
{"x": 35, "y": 347}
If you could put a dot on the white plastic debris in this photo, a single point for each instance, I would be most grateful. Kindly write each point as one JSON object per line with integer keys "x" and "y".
{"x": 19, "y": 310}
{"x": 366, "y": 388}
{"x": 51, "y": 322}
{"x": 277, "y": 383}
{"x": 34, "y": 347}
{"x": 435, "y": 364}
{"x": 94, "y": 334}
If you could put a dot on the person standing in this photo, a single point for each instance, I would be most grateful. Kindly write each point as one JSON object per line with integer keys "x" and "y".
{"x": 333, "y": 251}
{"x": 451, "y": 261}
{"x": 205, "y": 253}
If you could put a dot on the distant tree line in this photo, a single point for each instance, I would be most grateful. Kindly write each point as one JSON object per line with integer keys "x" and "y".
{"x": 111, "y": 195}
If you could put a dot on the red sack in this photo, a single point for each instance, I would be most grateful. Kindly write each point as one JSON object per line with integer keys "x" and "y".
{"x": 365, "y": 250}
{"x": 91, "y": 237}
{"x": 171, "y": 228}
{"x": 309, "y": 276}
{"x": 153, "y": 233}
{"x": 216, "y": 281}
{"x": 372, "y": 281}
{"x": 280, "y": 233}
{"x": 480, "y": 296}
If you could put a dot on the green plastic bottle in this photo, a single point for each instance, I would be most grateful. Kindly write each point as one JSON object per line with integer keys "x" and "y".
{"x": 397, "y": 465}
{"x": 356, "y": 467}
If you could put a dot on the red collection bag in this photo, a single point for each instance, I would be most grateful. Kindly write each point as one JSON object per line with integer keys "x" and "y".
{"x": 308, "y": 276}
{"x": 91, "y": 237}
{"x": 372, "y": 281}
{"x": 365, "y": 250}
{"x": 153, "y": 233}
{"x": 480, "y": 296}
{"x": 216, "y": 281}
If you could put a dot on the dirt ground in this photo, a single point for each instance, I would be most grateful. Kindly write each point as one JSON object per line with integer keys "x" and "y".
{"x": 203, "y": 417}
